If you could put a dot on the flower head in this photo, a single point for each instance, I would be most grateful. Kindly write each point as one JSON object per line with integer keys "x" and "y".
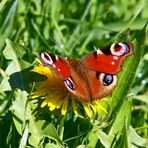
{"x": 56, "y": 95}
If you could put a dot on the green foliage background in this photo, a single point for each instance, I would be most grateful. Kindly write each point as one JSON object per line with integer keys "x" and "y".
{"x": 71, "y": 28}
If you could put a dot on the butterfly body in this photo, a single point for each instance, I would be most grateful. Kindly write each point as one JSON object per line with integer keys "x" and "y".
{"x": 93, "y": 77}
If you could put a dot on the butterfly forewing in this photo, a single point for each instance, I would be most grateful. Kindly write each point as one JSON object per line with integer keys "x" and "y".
{"x": 108, "y": 59}
{"x": 59, "y": 65}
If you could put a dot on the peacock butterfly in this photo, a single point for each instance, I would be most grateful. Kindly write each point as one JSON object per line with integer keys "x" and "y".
{"x": 95, "y": 75}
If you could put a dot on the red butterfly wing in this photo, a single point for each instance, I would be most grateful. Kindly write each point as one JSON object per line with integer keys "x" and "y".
{"x": 58, "y": 64}
{"x": 108, "y": 59}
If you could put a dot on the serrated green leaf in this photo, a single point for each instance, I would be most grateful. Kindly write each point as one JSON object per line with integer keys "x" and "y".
{"x": 135, "y": 140}
{"x": 93, "y": 139}
{"x": 15, "y": 52}
{"x": 19, "y": 110}
{"x": 51, "y": 145}
{"x": 40, "y": 129}
{"x": 122, "y": 141}
{"x": 17, "y": 79}
{"x": 5, "y": 85}
{"x": 122, "y": 119}
{"x": 81, "y": 146}
{"x": 143, "y": 98}
{"x": 104, "y": 139}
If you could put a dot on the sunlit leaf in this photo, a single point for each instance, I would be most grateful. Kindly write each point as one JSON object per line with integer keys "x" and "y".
{"x": 135, "y": 140}
{"x": 93, "y": 139}
{"x": 103, "y": 137}
{"x": 143, "y": 98}
{"x": 41, "y": 129}
{"x": 122, "y": 120}
{"x": 51, "y": 145}
{"x": 15, "y": 52}
{"x": 19, "y": 110}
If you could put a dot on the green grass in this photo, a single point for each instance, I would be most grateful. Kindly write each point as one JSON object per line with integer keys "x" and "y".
{"x": 72, "y": 28}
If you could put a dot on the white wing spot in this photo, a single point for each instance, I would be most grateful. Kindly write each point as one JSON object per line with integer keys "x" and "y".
{"x": 54, "y": 66}
{"x": 116, "y": 58}
{"x": 99, "y": 51}
{"x": 113, "y": 63}
{"x": 56, "y": 57}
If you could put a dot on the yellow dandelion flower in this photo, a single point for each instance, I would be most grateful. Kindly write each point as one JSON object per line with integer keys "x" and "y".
{"x": 56, "y": 95}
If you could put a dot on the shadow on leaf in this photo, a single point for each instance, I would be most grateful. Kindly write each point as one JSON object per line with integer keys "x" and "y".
{"x": 24, "y": 78}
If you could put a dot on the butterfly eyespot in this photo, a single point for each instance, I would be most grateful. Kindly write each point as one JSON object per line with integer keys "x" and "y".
{"x": 119, "y": 49}
{"x": 108, "y": 79}
{"x": 69, "y": 83}
{"x": 126, "y": 47}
